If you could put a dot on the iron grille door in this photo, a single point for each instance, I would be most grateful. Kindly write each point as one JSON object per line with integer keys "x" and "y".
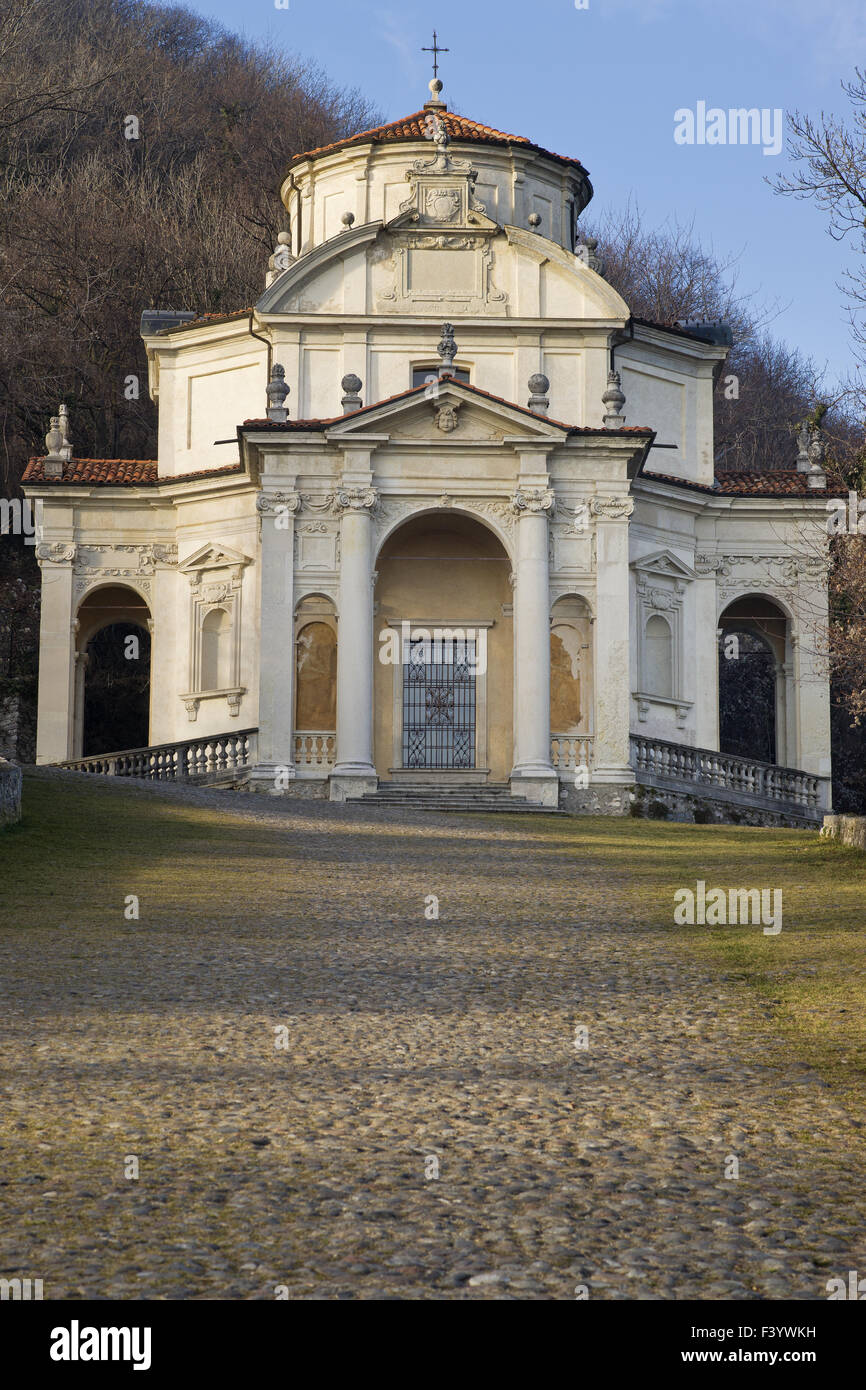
{"x": 439, "y": 703}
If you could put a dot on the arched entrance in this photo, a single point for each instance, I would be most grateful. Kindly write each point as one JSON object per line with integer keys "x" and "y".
{"x": 443, "y": 665}
{"x": 112, "y": 689}
{"x": 753, "y": 652}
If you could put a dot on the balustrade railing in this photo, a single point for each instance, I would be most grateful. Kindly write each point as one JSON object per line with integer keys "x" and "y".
{"x": 315, "y": 752}
{"x": 672, "y": 762}
{"x": 186, "y": 761}
{"x": 570, "y": 751}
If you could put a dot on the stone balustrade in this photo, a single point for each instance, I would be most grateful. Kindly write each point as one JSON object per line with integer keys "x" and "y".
{"x": 570, "y": 751}
{"x": 201, "y": 759}
{"x": 752, "y": 783}
{"x": 315, "y": 752}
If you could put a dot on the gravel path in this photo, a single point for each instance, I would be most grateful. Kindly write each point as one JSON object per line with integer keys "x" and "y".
{"x": 306, "y": 1160}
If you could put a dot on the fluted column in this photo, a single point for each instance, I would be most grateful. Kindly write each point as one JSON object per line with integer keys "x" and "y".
{"x": 275, "y": 761}
{"x": 354, "y": 772}
{"x": 533, "y": 774}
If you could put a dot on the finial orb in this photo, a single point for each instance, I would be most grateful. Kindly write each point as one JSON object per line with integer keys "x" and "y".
{"x": 535, "y": 219}
{"x": 347, "y": 219}
{"x": 284, "y": 238}
{"x": 435, "y": 85}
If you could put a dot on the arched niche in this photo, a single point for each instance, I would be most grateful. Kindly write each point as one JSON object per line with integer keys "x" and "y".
{"x": 571, "y": 666}
{"x": 315, "y": 665}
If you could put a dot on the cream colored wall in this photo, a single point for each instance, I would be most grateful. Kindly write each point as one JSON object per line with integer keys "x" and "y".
{"x": 435, "y": 581}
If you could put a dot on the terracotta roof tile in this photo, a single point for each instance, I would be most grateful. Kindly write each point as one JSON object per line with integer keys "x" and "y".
{"x": 776, "y": 482}
{"x": 118, "y": 473}
{"x": 414, "y": 127}
{"x": 99, "y": 472}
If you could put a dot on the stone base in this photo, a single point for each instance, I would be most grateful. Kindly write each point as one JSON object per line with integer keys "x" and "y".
{"x": 598, "y": 799}
{"x": 536, "y": 787}
{"x": 273, "y": 779}
{"x": 347, "y": 787}
{"x": 849, "y": 830}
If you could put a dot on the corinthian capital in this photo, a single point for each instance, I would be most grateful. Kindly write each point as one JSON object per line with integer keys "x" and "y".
{"x": 533, "y": 499}
{"x": 355, "y": 499}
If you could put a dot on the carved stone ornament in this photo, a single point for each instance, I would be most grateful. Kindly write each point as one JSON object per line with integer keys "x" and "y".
{"x": 533, "y": 500}
{"x": 612, "y": 507}
{"x": 442, "y": 204}
{"x": 355, "y": 499}
{"x": 278, "y": 502}
{"x": 446, "y": 417}
{"x": 57, "y": 553}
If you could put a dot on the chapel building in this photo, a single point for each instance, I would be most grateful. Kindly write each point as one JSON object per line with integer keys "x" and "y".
{"x": 438, "y": 511}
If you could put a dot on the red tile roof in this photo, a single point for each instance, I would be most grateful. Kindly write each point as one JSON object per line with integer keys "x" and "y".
{"x": 776, "y": 482}
{"x": 101, "y": 472}
{"x": 414, "y": 127}
{"x": 118, "y": 473}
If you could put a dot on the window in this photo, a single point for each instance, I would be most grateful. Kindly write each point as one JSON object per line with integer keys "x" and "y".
{"x": 422, "y": 374}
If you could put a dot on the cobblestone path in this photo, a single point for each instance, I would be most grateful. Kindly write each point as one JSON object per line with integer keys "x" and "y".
{"x": 306, "y": 1160}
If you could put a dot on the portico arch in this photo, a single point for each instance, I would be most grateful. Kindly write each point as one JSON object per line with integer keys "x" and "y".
{"x": 444, "y": 711}
{"x": 112, "y": 671}
{"x": 756, "y": 709}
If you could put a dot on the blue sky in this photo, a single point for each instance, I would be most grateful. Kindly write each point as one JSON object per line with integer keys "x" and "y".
{"x": 603, "y": 83}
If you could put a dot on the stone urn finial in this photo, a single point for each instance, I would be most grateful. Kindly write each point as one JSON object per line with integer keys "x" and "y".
{"x": 539, "y": 402}
{"x": 277, "y": 391}
{"x": 351, "y": 401}
{"x": 613, "y": 401}
{"x": 447, "y": 350}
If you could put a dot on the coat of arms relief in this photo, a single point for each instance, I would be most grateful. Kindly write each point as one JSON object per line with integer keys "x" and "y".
{"x": 440, "y": 242}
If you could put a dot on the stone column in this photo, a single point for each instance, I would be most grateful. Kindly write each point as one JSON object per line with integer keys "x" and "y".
{"x": 275, "y": 762}
{"x": 56, "y": 701}
{"x": 354, "y": 772}
{"x": 533, "y": 775}
{"x": 611, "y": 763}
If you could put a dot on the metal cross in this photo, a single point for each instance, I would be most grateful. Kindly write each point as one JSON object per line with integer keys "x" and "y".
{"x": 435, "y": 50}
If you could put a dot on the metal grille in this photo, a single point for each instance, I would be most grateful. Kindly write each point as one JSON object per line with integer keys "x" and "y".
{"x": 439, "y": 703}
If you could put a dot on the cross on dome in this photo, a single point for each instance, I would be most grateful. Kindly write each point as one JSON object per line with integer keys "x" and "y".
{"x": 435, "y": 85}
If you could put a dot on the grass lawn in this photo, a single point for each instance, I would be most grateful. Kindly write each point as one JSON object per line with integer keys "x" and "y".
{"x": 78, "y": 851}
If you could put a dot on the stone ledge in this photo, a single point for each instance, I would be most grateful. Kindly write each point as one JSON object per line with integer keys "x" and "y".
{"x": 850, "y": 830}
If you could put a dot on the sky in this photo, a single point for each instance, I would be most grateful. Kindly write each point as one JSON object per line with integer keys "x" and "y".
{"x": 603, "y": 83}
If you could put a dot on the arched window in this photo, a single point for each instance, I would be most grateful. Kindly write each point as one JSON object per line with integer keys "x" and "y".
{"x": 216, "y": 656}
{"x": 658, "y": 650}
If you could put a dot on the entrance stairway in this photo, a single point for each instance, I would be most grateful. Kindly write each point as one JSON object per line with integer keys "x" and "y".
{"x": 430, "y": 797}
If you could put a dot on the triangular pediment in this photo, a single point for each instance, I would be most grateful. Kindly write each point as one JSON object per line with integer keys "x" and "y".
{"x": 663, "y": 563}
{"x": 448, "y": 411}
{"x": 213, "y": 556}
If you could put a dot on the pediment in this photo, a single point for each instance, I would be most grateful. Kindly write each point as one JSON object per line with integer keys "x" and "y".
{"x": 213, "y": 556}
{"x": 447, "y": 412}
{"x": 663, "y": 564}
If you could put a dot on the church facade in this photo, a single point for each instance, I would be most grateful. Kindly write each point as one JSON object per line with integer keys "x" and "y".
{"x": 438, "y": 509}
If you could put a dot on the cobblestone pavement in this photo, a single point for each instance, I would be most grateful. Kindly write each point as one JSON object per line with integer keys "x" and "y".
{"x": 410, "y": 1043}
